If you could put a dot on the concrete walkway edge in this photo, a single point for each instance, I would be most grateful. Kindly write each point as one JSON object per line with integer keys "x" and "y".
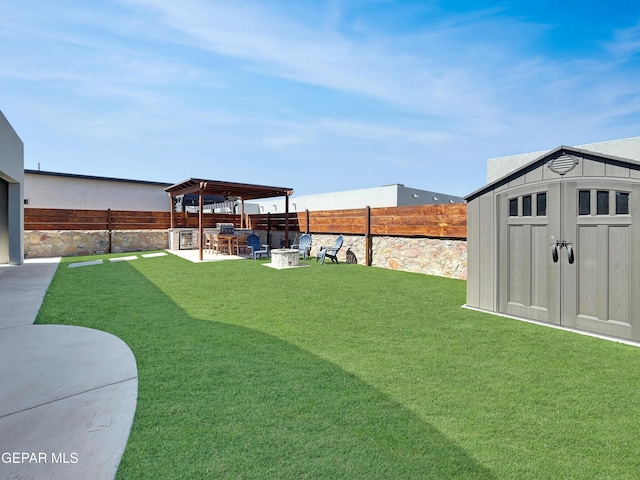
{"x": 68, "y": 394}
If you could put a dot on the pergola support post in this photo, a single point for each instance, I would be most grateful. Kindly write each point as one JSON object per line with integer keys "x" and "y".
{"x": 286, "y": 221}
{"x": 367, "y": 236}
{"x": 172, "y": 209}
{"x": 200, "y": 218}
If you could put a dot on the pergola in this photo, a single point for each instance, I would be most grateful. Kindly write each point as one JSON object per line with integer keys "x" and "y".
{"x": 228, "y": 190}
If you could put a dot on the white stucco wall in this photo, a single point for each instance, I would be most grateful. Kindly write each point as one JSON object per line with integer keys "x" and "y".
{"x": 44, "y": 190}
{"x": 625, "y": 148}
{"x": 376, "y": 197}
{"x": 11, "y": 191}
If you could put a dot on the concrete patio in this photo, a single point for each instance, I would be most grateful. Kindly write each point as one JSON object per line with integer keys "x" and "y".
{"x": 194, "y": 256}
{"x": 68, "y": 393}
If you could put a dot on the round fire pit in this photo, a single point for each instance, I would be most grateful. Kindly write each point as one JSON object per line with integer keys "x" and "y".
{"x": 285, "y": 257}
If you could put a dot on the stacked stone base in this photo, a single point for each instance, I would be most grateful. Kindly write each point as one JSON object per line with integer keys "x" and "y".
{"x": 63, "y": 243}
{"x": 433, "y": 256}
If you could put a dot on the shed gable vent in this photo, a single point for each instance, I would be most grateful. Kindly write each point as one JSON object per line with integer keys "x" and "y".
{"x": 563, "y": 164}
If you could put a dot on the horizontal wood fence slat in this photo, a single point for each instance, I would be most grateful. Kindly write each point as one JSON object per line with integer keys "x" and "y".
{"x": 209, "y": 220}
{"x": 61, "y": 219}
{"x": 273, "y": 221}
{"x": 448, "y": 220}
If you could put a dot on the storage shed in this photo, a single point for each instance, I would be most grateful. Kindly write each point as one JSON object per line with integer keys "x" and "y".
{"x": 558, "y": 241}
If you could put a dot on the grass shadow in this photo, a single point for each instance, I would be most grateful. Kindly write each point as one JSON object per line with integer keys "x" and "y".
{"x": 222, "y": 400}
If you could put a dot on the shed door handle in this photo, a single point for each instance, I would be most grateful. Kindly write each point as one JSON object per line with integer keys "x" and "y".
{"x": 557, "y": 246}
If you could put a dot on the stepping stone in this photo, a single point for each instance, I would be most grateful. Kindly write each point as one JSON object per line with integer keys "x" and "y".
{"x": 84, "y": 264}
{"x": 151, "y": 255}
{"x": 123, "y": 259}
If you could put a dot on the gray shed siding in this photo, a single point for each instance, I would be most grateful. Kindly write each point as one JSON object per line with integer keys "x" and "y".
{"x": 481, "y": 257}
{"x": 511, "y": 268}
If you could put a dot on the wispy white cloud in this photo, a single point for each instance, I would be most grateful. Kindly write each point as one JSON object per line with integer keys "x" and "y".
{"x": 381, "y": 133}
{"x": 282, "y": 140}
{"x": 455, "y": 72}
{"x": 257, "y": 80}
{"x": 274, "y": 45}
{"x": 625, "y": 43}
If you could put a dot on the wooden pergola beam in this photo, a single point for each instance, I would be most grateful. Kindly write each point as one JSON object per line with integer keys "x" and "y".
{"x": 243, "y": 191}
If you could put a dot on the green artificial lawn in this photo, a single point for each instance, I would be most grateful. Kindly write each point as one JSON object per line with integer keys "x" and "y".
{"x": 345, "y": 371}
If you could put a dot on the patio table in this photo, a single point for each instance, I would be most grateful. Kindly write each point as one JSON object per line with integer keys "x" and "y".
{"x": 230, "y": 238}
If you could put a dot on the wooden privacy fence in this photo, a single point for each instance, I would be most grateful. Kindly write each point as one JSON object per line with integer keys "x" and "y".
{"x": 274, "y": 221}
{"x": 375, "y": 226}
{"x": 439, "y": 221}
{"x": 60, "y": 219}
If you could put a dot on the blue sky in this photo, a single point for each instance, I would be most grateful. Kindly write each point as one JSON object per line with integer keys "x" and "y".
{"x": 318, "y": 96}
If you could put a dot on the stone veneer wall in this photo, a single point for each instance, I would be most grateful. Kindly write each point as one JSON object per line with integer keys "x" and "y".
{"x": 63, "y": 243}
{"x": 433, "y": 256}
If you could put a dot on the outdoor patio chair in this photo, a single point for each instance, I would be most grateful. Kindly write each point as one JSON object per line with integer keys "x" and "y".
{"x": 218, "y": 245}
{"x": 304, "y": 245}
{"x": 241, "y": 244}
{"x": 253, "y": 241}
{"x": 212, "y": 243}
{"x": 331, "y": 252}
{"x": 208, "y": 242}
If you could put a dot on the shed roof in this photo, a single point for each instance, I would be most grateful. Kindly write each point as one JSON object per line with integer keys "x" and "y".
{"x": 245, "y": 191}
{"x": 548, "y": 156}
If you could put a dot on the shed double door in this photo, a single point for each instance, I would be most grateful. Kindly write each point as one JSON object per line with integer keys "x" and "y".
{"x": 566, "y": 254}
